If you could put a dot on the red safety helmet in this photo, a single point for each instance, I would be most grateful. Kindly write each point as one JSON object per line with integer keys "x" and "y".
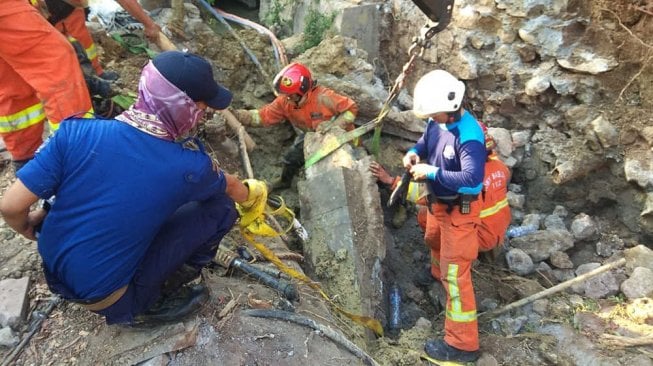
{"x": 490, "y": 144}
{"x": 293, "y": 79}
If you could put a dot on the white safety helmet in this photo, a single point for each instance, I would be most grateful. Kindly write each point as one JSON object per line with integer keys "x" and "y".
{"x": 438, "y": 91}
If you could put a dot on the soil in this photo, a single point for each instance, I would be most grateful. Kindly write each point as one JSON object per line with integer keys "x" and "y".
{"x": 74, "y": 336}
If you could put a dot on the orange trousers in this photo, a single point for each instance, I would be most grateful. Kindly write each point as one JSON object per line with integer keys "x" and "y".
{"x": 74, "y": 25}
{"x": 453, "y": 239}
{"x": 489, "y": 235}
{"x": 37, "y": 64}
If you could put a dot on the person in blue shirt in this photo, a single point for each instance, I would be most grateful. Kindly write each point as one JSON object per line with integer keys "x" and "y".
{"x": 450, "y": 159}
{"x": 139, "y": 207}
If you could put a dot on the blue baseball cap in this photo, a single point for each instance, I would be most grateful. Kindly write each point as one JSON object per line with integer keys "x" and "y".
{"x": 194, "y": 76}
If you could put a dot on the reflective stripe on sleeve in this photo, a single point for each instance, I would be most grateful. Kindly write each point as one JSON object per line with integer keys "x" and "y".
{"x": 91, "y": 52}
{"x": 256, "y": 117}
{"x": 348, "y": 116}
{"x": 494, "y": 209}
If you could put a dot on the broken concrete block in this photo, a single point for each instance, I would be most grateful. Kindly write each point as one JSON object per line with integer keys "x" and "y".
{"x": 13, "y": 300}
{"x": 341, "y": 208}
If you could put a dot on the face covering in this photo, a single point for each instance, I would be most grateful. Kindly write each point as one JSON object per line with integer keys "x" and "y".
{"x": 161, "y": 109}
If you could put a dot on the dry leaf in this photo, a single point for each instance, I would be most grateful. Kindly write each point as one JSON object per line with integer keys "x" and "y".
{"x": 258, "y": 304}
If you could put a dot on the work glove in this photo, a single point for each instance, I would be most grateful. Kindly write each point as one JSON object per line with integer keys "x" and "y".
{"x": 411, "y": 158}
{"x": 257, "y": 194}
{"x": 344, "y": 120}
{"x": 254, "y": 206}
{"x": 246, "y": 117}
{"x": 424, "y": 171}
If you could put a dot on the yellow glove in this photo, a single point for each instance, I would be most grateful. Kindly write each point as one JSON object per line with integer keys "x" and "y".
{"x": 247, "y": 117}
{"x": 254, "y": 206}
{"x": 343, "y": 120}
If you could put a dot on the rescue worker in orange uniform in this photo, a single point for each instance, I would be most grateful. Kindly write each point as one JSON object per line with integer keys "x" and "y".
{"x": 450, "y": 159}
{"x": 37, "y": 65}
{"x": 495, "y": 212}
{"x": 69, "y": 17}
{"x": 305, "y": 105}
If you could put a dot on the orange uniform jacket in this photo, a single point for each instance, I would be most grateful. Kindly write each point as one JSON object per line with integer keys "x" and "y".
{"x": 495, "y": 212}
{"x": 321, "y": 105}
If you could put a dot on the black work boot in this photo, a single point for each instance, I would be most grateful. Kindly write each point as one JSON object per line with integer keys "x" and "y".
{"x": 109, "y": 75}
{"x": 183, "y": 275}
{"x": 424, "y": 277}
{"x": 285, "y": 180}
{"x": 173, "y": 307}
{"x": 440, "y": 350}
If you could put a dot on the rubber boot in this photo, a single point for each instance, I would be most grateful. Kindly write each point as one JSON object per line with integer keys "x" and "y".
{"x": 440, "y": 350}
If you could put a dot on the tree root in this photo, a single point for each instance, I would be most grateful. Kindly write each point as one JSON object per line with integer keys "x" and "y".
{"x": 645, "y": 63}
{"x": 620, "y": 341}
{"x": 326, "y": 330}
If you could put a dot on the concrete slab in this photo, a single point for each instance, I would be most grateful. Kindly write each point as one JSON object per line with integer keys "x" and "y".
{"x": 13, "y": 300}
{"x": 341, "y": 208}
{"x": 362, "y": 23}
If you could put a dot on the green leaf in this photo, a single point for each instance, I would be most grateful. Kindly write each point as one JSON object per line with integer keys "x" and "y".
{"x": 124, "y": 101}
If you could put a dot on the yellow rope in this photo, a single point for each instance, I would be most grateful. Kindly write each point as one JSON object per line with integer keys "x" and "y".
{"x": 256, "y": 226}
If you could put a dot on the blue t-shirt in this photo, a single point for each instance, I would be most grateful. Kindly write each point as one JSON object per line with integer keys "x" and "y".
{"x": 114, "y": 187}
{"x": 458, "y": 149}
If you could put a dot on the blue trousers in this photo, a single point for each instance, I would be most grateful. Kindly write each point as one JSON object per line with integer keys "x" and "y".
{"x": 191, "y": 235}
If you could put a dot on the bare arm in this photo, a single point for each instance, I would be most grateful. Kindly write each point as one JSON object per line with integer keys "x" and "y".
{"x": 15, "y": 209}
{"x": 236, "y": 190}
{"x": 151, "y": 28}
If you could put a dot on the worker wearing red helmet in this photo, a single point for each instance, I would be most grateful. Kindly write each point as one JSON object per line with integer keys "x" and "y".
{"x": 305, "y": 105}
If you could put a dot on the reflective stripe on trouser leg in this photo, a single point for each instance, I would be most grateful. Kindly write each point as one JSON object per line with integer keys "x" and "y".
{"x": 432, "y": 241}
{"x": 22, "y": 119}
{"x": 51, "y": 69}
{"x": 75, "y": 25}
{"x": 458, "y": 249}
{"x": 21, "y": 113}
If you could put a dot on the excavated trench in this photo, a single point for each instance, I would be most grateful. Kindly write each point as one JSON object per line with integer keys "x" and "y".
{"x": 404, "y": 263}
{"x": 399, "y": 259}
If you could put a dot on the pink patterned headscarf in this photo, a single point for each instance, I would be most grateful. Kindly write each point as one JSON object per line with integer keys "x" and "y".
{"x": 161, "y": 109}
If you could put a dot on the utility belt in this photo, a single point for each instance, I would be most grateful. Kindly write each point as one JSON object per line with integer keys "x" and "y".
{"x": 463, "y": 201}
{"x": 97, "y": 305}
